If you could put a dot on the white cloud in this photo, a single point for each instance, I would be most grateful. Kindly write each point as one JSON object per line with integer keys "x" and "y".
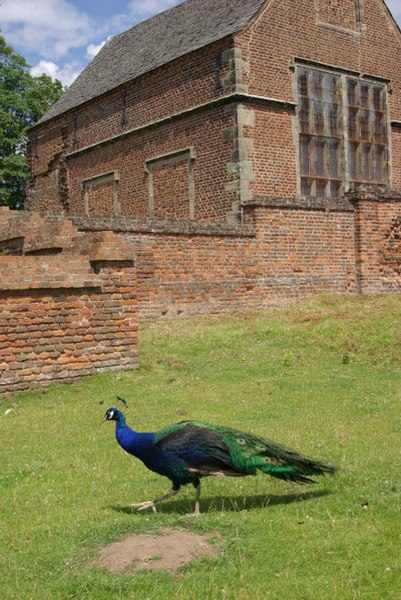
{"x": 93, "y": 49}
{"x": 141, "y": 9}
{"x": 66, "y": 74}
{"x": 48, "y": 27}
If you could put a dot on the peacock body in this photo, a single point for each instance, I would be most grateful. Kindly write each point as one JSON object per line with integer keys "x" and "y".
{"x": 186, "y": 452}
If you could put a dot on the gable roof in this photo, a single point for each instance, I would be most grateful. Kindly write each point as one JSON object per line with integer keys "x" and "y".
{"x": 153, "y": 43}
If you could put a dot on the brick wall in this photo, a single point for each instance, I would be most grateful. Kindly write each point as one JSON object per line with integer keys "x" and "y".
{"x": 378, "y": 242}
{"x": 290, "y": 253}
{"x": 190, "y": 81}
{"x": 396, "y": 155}
{"x": 129, "y": 157}
{"x": 285, "y": 249}
{"x": 67, "y": 314}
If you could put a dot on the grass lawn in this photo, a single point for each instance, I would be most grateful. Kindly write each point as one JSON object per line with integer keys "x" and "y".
{"x": 322, "y": 376}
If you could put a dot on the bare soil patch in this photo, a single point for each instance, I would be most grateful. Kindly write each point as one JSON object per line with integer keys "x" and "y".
{"x": 171, "y": 549}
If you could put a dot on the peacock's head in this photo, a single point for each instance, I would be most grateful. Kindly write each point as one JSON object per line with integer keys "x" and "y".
{"x": 112, "y": 414}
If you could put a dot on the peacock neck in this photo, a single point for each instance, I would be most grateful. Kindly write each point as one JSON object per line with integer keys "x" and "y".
{"x": 120, "y": 421}
{"x": 132, "y": 441}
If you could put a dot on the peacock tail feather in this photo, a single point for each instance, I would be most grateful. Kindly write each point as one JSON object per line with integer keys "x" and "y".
{"x": 233, "y": 452}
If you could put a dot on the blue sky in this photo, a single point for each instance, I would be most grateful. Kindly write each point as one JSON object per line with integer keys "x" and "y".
{"x": 59, "y": 37}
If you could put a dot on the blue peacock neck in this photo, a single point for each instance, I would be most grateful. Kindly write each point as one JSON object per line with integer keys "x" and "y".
{"x": 120, "y": 421}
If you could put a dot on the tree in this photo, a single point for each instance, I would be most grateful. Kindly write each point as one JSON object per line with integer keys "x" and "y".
{"x": 23, "y": 100}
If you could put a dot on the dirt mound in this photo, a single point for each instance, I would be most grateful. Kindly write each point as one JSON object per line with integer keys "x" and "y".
{"x": 169, "y": 550}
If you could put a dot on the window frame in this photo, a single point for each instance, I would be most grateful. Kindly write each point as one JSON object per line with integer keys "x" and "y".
{"x": 336, "y": 184}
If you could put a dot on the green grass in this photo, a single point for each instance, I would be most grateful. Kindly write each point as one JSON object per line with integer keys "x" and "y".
{"x": 322, "y": 376}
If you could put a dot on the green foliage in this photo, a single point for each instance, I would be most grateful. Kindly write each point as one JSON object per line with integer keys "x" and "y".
{"x": 23, "y": 101}
{"x": 65, "y": 485}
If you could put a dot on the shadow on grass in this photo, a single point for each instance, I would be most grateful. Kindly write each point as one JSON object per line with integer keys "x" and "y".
{"x": 227, "y": 503}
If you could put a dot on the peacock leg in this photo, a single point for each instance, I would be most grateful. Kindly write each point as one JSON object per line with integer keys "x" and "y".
{"x": 152, "y": 503}
{"x": 197, "y": 487}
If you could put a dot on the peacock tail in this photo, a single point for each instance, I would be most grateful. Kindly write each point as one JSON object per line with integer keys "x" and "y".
{"x": 217, "y": 450}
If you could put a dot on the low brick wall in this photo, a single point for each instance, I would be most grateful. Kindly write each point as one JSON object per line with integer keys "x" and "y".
{"x": 285, "y": 249}
{"x": 66, "y": 315}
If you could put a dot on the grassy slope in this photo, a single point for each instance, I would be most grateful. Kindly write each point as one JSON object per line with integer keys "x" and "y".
{"x": 322, "y": 377}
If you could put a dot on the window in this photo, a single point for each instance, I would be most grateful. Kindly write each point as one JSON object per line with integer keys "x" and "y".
{"x": 366, "y": 132}
{"x": 342, "y": 132}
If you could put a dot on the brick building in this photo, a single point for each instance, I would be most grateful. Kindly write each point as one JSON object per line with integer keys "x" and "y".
{"x": 248, "y": 151}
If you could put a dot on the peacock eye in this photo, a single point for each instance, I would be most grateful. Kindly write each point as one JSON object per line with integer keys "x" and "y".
{"x": 111, "y": 414}
{"x": 241, "y": 441}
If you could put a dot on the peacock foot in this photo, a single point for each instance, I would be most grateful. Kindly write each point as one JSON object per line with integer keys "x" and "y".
{"x": 145, "y": 505}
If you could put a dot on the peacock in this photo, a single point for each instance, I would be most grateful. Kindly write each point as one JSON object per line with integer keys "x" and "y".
{"x": 186, "y": 452}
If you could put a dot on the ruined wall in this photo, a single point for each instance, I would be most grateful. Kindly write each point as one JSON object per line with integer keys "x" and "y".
{"x": 66, "y": 310}
{"x": 377, "y": 241}
{"x": 286, "y": 248}
{"x": 71, "y": 296}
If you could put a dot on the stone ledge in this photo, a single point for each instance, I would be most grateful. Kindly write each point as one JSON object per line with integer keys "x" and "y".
{"x": 301, "y": 203}
{"x": 374, "y": 192}
{"x": 163, "y": 227}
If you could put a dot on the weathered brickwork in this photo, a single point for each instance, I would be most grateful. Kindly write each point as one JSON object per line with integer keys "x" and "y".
{"x": 396, "y": 154}
{"x": 133, "y": 185}
{"x": 64, "y": 314}
{"x": 285, "y": 250}
{"x": 274, "y": 163}
{"x": 378, "y": 242}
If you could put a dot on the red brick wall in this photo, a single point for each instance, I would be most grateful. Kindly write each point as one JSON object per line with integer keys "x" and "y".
{"x": 128, "y": 157}
{"x": 322, "y": 31}
{"x": 288, "y": 29}
{"x": 378, "y": 245}
{"x": 283, "y": 252}
{"x": 100, "y": 199}
{"x": 68, "y": 314}
{"x": 51, "y": 334}
{"x": 274, "y": 164}
{"x": 396, "y": 155}
{"x": 187, "y": 82}
{"x": 171, "y": 182}
{"x": 286, "y": 254}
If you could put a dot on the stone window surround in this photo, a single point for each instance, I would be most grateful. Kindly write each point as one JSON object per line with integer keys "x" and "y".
{"x": 92, "y": 182}
{"x": 182, "y": 155}
{"x": 344, "y": 73}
